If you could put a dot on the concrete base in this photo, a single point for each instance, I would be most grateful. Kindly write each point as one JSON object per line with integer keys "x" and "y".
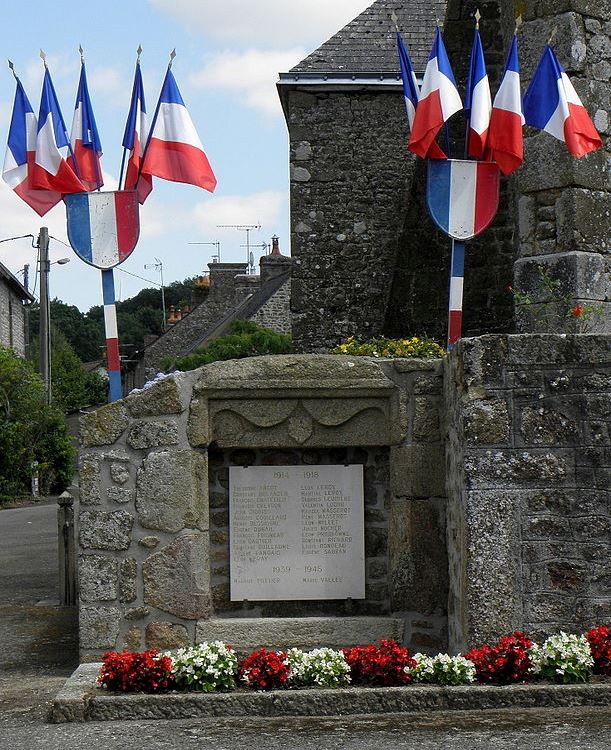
{"x": 82, "y": 700}
{"x": 300, "y": 632}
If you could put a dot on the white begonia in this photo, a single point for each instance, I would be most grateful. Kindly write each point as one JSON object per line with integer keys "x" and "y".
{"x": 442, "y": 669}
{"x": 205, "y": 666}
{"x": 321, "y": 667}
{"x": 563, "y": 657}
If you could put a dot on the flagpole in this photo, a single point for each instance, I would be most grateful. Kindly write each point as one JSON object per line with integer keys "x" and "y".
{"x": 478, "y": 15}
{"x": 98, "y": 176}
{"x": 125, "y": 149}
{"x": 154, "y": 121}
{"x": 113, "y": 359}
{"x": 457, "y": 272}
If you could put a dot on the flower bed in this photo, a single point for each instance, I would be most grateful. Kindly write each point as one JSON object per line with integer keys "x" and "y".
{"x": 214, "y": 666}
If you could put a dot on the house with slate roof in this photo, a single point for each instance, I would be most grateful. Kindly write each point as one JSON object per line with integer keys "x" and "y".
{"x": 14, "y": 298}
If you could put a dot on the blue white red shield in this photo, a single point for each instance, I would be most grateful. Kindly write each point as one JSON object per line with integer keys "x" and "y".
{"x": 103, "y": 227}
{"x": 462, "y": 196}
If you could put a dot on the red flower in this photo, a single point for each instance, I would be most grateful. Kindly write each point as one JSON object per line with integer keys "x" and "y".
{"x": 264, "y": 670}
{"x": 506, "y": 662}
{"x": 577, "y": 311}
{"x": 132, "y": 671}
{"x": 600, "y": 646}
{"x": 383, "y": 665}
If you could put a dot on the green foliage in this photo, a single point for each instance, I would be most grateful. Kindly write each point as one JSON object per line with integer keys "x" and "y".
{"x": 30, "y": 430}
{"x": 84, "y": 334}
{"x": 246, "y": 339}
{"x": 423, "y": 347}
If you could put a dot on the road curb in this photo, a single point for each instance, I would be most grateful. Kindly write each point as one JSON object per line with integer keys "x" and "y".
{"x": 81, "y": 699}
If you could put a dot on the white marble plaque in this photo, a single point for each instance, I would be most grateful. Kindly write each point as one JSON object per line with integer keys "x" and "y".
{"x": 296, "y": 532}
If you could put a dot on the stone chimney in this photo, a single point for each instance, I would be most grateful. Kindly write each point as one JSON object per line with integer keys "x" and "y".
{"x": 222, "y": 281}
{"x": 275, "y": 263}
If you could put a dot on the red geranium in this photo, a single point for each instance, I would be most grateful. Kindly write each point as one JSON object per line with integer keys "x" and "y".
{"x": 379, "y": 665}
{"x": 600, "y": 646}
{"x": 132, "y": 671}
{"x": 506, "y": 662}
{"x": 264, "y": 670}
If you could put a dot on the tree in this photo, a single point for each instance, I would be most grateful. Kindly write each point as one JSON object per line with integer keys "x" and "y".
{"x": 85, "y": 334}
{"x": 30, "y": 430}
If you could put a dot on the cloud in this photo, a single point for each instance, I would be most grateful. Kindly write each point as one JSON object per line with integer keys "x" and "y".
{"x": 250, "y": 76}
{"x": 269, "y": 23}
{"x": 263, "y": 208}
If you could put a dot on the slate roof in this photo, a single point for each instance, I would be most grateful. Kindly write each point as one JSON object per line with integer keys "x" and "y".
{"x": 367, "y": 44}
{"x": 14, "y": 283}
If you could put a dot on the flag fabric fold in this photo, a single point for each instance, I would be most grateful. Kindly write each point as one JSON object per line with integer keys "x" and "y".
{"x": 439, "y": 100}
{"x": 135, "y": 138}
{"x": 477, "y": 101}
{"x": 85, "y": 140}
{"x": 505, "y": 140}
{"x": 552, "y": 104}
{"x": 51, "y": 170}
{"x": 174, "y": 151}
{"x": 20, "y": 154}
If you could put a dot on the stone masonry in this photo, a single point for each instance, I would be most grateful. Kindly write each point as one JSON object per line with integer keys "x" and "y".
{"x": 13, "y": 298}
{"x": 153, "y": 526}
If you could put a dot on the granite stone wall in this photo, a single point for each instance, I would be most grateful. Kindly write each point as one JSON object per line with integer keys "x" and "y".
{"x": 276, "y": 312}
{"x": 12, "y": 320}
{"x": 528, "y": 465}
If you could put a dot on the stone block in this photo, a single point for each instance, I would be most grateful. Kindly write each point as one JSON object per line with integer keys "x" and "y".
{"x": 150, "y": 542}
{"x": 198, "y": 426}
{"x": 98, "y": 627}
{"x": 89, "y": 478}
{"x": 418, "y": 561}
{"x": 98, "y": 578}
{"x": 177, "y": 580}
{"x": 550, "y": 608}
{"x": 487, "y": 422}
{"x": 127, "y": 587}
{"x": 120, "y": 471}
{"x": 482, "y": 361}
{"x": 111, "y": 531}
{"x": 498, "y": 468}
{"x": 582, "y": 219}
{"x": 581, "y": 275}
{"x": 549, "y": 425}
{"x": 104, "y": 426}
{"x": 121, "y": 495}
{"x": 248, "y": 634}
{"x": 152, "y": 434}
{"x": 541, "y": 8}
{"x": 171, "y": 491}
{"x": 133, "y": 639}
{"x": 546, "y": 528}
{"x": 417, "y": 471}
{"x": 166, "y": 635}
{"x": 136, "y": 613}
{"x": 426, "y": 420}
{"x": 167, "y": 396}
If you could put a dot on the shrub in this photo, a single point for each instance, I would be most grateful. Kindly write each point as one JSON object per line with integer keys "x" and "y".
{"x": 265, "y": 670}
{"x": 508, "y": 661}
{"x": 563, "y": 658}
{"x": 423, "y": 347}
{"x": 142, "y": 672}
{"x": 443, "y": 669}
{"x": 600, "y": 648}
{"x": 205, "y": 666}
{"x": 321, "y": 667}
{"x": 385, "y": 664}
{"x": 246, "y": 339}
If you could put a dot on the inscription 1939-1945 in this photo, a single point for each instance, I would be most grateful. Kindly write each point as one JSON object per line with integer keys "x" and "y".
{"x": 296, "y": 532}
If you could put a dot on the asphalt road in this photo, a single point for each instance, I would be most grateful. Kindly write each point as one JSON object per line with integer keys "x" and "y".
{"x": 38, "y": 650}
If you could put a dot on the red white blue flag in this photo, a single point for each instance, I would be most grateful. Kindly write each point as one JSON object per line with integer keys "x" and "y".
{"x": 439, "y": 100}
{"x": 135, "y": 138}
{"x": 505, "y": 140}
{"x": 462, "y": 196}
{"x": 20, "y": 153}
{"x": 85, "y": 139}
{"x": 552, "y": 104}
{"x": 477, "y": 100}
{"x": 51, "y": 170}
{"x": 174, "y": 151}
{"x": 103, "y": 227}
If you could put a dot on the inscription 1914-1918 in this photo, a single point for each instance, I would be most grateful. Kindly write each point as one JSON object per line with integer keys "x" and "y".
{"x": 296, "y": 532}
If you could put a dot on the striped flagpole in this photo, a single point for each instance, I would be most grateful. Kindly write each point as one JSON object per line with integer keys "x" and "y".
{"x": 456, "y": 288}
{"x": 115, "y": 392}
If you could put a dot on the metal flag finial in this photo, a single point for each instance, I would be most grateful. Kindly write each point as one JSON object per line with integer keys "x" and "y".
{"x": 395, "y": 20}
{"x": 551, "y": 36}
{"x": 82, "y": 54}
{"x": 172, "y": 56}
{"x": 12, "y": 67}
{"x": 43, "y": 57}
{"x": 518, "y": 23}
{"x": 478, "y": 15}
{"x": 139, "y": 52}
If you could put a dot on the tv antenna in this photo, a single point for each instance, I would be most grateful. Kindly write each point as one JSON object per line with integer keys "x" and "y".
{"x": 216, "y": 257}
{"x": 262, "y": 246}
{"x": 243, "y": 228}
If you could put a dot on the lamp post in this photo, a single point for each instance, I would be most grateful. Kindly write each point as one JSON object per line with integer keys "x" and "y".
{"x": 45, "y": 308}
{"x": 158, "y": 266}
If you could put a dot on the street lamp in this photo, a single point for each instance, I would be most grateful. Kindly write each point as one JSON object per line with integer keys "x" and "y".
{"x": 158, "y": 266}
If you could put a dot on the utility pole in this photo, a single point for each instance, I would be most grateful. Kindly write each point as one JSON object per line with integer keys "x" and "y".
{"x": 158, "y": 266}
{"x": 45, "y": 311}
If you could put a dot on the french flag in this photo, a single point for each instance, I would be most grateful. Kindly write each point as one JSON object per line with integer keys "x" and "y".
{"x": 84, "y": 138}
{"x": 135, "y": 138}
{"x": 552, "y": 104}
{"x": 505, "y": 141}
{"x": 174, "y": 151}
{"x": 477, "y": 101}
{"x": 20, "y": 153}
{"x": 411, "y": 92}
{"x": 51, "y": 170}
{"x": 439, "y": 100}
